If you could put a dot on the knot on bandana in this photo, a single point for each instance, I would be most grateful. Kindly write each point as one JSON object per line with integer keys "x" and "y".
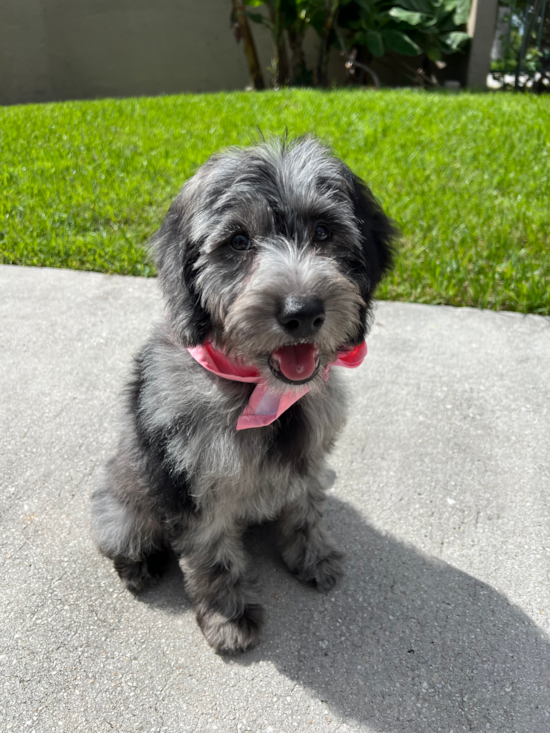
{"x": 264, "y": 405}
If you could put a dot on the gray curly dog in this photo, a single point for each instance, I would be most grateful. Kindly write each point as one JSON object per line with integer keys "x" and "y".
{"x": 271, "y": 255}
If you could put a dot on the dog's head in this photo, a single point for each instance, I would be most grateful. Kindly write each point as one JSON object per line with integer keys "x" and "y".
{"x": 274, "y": 252}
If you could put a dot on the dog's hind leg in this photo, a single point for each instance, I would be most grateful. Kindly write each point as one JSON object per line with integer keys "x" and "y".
{"x": 306, "y": 546}
{"x": 223, "y": 591}
{"x": 125, "y": 531}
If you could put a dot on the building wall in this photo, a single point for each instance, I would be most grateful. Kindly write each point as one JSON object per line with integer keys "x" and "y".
{"x": 54, "y": 50}
{"x": 24, "y": 62}
{"x": 82, "y": 49}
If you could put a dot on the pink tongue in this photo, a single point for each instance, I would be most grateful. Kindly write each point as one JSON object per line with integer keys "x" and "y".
{"x": 297, "y": 362}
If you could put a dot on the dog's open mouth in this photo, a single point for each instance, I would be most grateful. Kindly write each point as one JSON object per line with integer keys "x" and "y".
{"x": 295, "y": 364}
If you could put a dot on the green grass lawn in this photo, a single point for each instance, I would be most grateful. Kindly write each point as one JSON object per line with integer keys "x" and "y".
{"x": 467, "y": 178}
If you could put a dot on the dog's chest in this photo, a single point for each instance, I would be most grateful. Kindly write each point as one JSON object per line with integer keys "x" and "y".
{"x": 277, "y": 461}
{"x": 250, "y": 473}
{"x": 265, "y": 468}
{"x": 256, "y": 497}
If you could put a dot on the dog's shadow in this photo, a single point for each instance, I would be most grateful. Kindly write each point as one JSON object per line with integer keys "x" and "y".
{"x": 406, "y": 644}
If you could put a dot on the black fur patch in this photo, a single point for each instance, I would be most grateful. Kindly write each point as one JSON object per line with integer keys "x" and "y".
{"x": 170, "y": 488}
{"x": 172, "y": 243}
{"x": 289, "y": 440}
{"x": 368, "y": 267}
{"x": 353, "y": 266}
{"x": 377, "y": 232}
{"x": 139, "y": 574}
{"x": 200, "y": 324}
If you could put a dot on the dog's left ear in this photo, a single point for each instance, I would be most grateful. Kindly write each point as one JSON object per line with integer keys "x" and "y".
{"x": 378, "y": 234}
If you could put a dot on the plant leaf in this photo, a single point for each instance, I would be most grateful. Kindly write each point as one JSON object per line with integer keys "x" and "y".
{"x": 433, "y": 53}
{"x": 447, "y": 25}
{"x": 408, "y": 16}
{"x": 428, "y": 7}
{"x": 453, "y": 41}
{"x": 462, "y": 12}
{"x": 365, "y": 4}
{"x": 373, "y": 41}
{"x": 400, "y": 42}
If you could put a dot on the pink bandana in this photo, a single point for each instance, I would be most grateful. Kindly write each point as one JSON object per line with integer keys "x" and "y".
{"x": 264, "y": 407}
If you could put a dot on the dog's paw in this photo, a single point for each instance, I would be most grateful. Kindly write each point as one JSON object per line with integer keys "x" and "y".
{"x": 321, "y": 572}
{"x": 328, "y": 571}
{"x": 138, "y": 574}
{"x": 232, "y": 636}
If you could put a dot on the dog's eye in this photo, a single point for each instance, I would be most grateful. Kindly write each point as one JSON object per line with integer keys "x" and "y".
{"x": 321, "y": 233}
{"x": 241, "y": 242}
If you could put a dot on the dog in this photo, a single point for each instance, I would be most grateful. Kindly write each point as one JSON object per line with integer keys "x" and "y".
{"x": 268, "y": 260}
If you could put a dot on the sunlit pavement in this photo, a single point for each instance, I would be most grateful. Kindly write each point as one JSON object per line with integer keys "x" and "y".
{"x": 441, "y": 503}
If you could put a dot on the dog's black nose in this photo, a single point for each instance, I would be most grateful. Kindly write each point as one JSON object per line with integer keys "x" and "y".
{"x": 302, "y": 317}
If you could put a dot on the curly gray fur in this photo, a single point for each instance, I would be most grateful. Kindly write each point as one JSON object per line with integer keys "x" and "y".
{"x": 183, "y": 477}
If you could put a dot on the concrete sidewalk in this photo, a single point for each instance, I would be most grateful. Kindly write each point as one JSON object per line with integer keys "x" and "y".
{"x": 441, "y": 504}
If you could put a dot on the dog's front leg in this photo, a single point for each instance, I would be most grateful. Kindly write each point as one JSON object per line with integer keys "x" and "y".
{"x": 306, "y": 546}
{"x": 223, "y": 591}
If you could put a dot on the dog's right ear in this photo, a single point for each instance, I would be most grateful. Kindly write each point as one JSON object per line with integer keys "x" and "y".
{"x": 378, "y": 232}
{"x": 175, "y": 258}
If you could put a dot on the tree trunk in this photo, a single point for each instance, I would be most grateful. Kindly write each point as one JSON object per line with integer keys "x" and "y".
{"x": 256, "y": 78}
{"x": 281, "y": 59}
{"x": 298, "y": 68}
{"x": 331, "y": 8}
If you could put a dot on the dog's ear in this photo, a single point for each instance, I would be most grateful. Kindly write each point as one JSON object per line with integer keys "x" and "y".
{"x": 175, "y": 257}
{"x": 378, "y": 234}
